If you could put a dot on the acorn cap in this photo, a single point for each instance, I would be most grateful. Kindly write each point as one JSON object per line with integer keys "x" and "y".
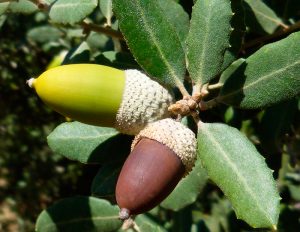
{"x": 174, "y": 135}
{"x": 144, "y": 101}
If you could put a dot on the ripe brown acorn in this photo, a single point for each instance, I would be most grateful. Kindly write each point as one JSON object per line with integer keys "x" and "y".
{"x": 161, "y": 154}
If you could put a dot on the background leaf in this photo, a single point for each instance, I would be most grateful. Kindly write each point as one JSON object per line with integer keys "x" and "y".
{"x": 78, "y": 55}
{"x": 66, "y": 11}
{"x": 106, "y": 9}
{"x": 22, "y": 6}
{"x": 3, "y": 7}
{"x": 79, "y": 214}
{"x": 44, "y": 34}
{"x": 105, "y": 181}
{"x": 152, "y": 39}
{"x": 208, "y": 38}
{"x": 261, "y": 81}
{"x": 234, "y": 164}
{"x": 146, "y": 224}
{"x": 237, "y": 35}
{"x": 187, "y": 190}
{"x": 89, "y": 144}
{"x": 266, "y": 19}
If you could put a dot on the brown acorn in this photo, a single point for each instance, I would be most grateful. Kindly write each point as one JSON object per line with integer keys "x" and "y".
{"x": 161, "y": 154}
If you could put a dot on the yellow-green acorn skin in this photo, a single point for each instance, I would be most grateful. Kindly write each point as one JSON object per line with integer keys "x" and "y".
{"x": 87, "y": 93}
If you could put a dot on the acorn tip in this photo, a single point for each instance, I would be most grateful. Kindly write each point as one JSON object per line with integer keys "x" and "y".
{"x": 124, "y": 214}
{"x": 30, "y": 82}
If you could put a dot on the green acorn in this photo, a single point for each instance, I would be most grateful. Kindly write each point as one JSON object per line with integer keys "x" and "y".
{"x": 103, "y": 96}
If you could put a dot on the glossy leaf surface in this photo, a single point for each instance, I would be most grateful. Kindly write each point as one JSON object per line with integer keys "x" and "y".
{"x": 235, "y": 165}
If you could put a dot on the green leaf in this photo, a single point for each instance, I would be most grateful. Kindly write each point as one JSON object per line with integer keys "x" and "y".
{"x": 177, "y": 17}
{"x": 269, "y": 76}
{"x": 237, "y": 35}
{"x": 120, "y": 60}
{"x": 230, "y": 70}
{"x": 152, "y": 39}
{"x": 105, "y": 181}
{"x": 71, "y": 11}
{"x": 234, "y": 164}
{"x": 78, "y": 55}
{"x": 23, "y": 6}
{"x": 106, "y": 9}
{"x": 3, "y": 7}
{"x": 208, "y": 39}
{"x": 260, "y": 17}
{"x": 79, "y": 214}
{"x": 187, "y": 190}
{"x": 44, "y": 34}
{"x": 145, "y": 224}
{"x": 89, "y": 144}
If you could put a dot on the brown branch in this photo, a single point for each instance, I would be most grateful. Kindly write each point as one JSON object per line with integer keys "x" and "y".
{"x": 103, "y": 30}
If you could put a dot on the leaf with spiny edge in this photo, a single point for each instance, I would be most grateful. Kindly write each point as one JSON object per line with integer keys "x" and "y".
{"x": 208, "y": 39}
{"x": 235, "y": 165}
{"x": 269, "y": 76}
{"x": 237, "y": 35}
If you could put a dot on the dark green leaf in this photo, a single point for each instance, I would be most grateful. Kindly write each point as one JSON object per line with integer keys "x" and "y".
{"x": 79, "y": 214}
{"x": 89, "y": 144}
{"x": 230, "y": 70}
{"x": 237, "y": 35}
{"x": 269, "y": 76}
{"x": 187, "y": 190}
{"x": 152, "y": 39}
{"x": 120, "y": 60}
{"x": 23, "y": 6}
{"x": 44, "y": 34}
{"x": 208, "y": 39}
{"x": 234, "y": 164}
{"x": 260, "y": 17}
{"x": 71, "y": 11}
{"x": 78, "y": 55}
{"x": 177, "y": 17}
{"x": 105, "y": 181}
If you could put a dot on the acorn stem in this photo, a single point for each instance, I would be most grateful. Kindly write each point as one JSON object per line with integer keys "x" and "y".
{"x": 30, "y": 82}
{"x": 124, "y": 214}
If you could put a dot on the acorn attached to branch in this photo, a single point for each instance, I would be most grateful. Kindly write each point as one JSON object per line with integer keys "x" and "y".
{"x": 103, "y": 96}
{"x": 161, "y": 154}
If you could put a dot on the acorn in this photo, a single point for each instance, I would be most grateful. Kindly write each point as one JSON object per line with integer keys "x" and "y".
{"x": 161, "y": 154}
{"x": 103, "y": 96}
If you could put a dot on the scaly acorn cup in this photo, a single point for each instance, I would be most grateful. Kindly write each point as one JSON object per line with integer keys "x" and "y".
{"x": 103, "y": 96}
{"x": 161, "y": 154}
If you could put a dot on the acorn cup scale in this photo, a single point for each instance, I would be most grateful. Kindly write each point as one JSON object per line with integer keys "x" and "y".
{"x": 103, "y": 96}
{"x": 162, "y": 153}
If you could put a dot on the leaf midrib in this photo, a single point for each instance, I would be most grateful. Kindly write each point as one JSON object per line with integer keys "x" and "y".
{"x": 262, "y": 78}
{"x": 155, "y": 42}
{"x": 235, "y": 169}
